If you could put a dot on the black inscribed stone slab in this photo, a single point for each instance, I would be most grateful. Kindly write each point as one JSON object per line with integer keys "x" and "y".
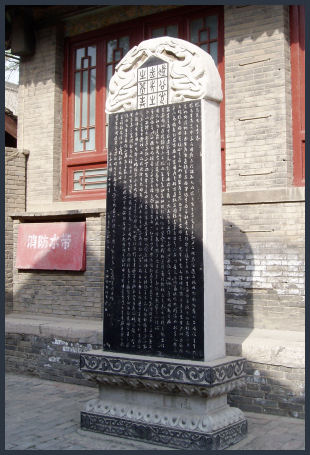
{"x": 153, "y": 292}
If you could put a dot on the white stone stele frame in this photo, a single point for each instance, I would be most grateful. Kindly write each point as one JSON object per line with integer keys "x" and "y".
{"x": 171, "y": 402}
{"x": 192, "y": 75}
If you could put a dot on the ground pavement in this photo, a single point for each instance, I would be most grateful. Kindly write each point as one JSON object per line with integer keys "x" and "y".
{"x": 45, "y": 415}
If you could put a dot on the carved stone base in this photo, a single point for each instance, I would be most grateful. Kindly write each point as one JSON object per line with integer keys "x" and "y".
{"x": 165, "y": 435}
{"x": 177, "y": 404}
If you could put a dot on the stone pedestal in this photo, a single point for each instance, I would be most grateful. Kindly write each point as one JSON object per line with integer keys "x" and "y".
{"x": 178, "y": 404}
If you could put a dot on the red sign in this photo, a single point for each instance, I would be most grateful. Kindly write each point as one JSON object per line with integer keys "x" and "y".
{"x": 51, "y": 246}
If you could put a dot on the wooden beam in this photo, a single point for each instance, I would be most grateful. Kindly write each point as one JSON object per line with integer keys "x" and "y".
{"x": 11, "y": 126}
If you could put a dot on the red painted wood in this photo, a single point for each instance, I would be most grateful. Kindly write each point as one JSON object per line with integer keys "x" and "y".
{"x": 100, "y": 103}
{"x": 89, "y": 194}
{"x": 65, "y": 101}
{"x": 11, "y": 125}
{"x": 297, "y": 33}
{"x": 51, "y": 246}
{"x": 71, "y": 158}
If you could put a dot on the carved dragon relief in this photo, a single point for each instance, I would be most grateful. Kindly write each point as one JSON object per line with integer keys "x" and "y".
{"x": 192, "y": 72}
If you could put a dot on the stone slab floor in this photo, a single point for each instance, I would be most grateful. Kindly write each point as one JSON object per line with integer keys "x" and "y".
{"x": 44, "y": 415}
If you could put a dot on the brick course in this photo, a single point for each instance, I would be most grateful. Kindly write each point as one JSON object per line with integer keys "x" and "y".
{"x": 15, "y": 185}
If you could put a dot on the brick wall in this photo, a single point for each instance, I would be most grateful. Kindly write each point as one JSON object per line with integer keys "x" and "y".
{"x": 15, "y": 174}
{"x": 113, "y": 15}
{"x": 47, "y": 357}
{"x": 40, "y": 116}
{"x": 264, "y": 265}
{"x": 78, "y": 294}
{"x": 257, "y": 97}
{"x": 264, "y": 271}
{"x": 271, "y": 389}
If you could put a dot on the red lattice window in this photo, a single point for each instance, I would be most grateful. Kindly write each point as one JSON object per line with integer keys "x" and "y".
{"x": 90, "y": 62}
{"x": 297, "y": 32}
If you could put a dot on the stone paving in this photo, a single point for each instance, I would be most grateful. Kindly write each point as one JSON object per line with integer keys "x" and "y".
{"x": 45, "y": 415}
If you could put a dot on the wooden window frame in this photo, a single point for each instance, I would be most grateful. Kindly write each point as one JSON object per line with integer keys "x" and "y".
{"x": 72, "y": 161}
{"x": 75, "y": 161}
{"x": 297, "y": 43}
{"x": 138, "y": 30}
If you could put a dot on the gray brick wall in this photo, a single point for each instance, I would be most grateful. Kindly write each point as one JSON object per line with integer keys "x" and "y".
{"x": 15, "y": 172}
{"x": 271, "y": 389}
{"x": 40, "y": 116}
{"x": 264, "y": 264}
{"x": 257, "y": 97}
{"x": 47, "y": 357}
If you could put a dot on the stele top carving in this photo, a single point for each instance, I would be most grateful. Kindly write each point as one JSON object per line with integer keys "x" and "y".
{"x": 192, "y": 74}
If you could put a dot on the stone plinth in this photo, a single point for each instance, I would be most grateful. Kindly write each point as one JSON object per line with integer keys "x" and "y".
{"x": 178, "y": 404}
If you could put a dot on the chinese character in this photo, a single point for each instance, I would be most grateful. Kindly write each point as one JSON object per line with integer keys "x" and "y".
{"x": 142, "y": 74}
{"x": 152, "y": 72}
{"x": 152, "y": 86}
{"x": 142, "y": 87}
{"x": 162, "y": 70}
{"x": 142, "y": 101}
{"x": 42, "y": 241}
{"x": 162, "y": 84}
{"x": 54, "y": 241}
{"x": 65, "y": 240}
{"x": 162, "y": 96}
{"x": 32, "y": 241}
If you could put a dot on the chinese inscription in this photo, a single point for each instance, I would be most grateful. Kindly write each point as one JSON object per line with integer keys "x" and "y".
{"x": 153, "y": 83}
{"x": 154, "y": 260}
{"x": 52, "y": 246}
{"x": 44, "y": 242}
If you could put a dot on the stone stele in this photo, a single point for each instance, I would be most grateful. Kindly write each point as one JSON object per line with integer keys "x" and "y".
{"x": 163, "y": 374}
